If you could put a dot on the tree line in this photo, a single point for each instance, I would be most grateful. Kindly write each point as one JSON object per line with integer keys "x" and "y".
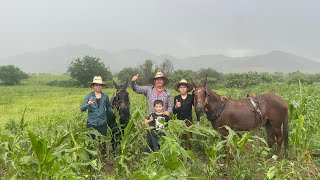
{"x": 83, "y": 69}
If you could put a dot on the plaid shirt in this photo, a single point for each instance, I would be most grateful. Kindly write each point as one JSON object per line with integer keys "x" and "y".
{"x": 152, "y": 95}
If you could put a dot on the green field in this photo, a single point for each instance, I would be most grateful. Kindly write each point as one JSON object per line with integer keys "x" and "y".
{"x": 42, "y": 136}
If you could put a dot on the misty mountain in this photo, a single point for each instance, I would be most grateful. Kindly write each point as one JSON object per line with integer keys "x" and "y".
{"x": 56, "y": 61}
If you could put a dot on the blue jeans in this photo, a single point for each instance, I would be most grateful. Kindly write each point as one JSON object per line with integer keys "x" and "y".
{"x": 103, "y": 130}
{"x": 153, "y": 139}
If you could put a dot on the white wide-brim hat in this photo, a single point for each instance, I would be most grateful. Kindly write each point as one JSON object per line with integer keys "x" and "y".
{"x": 159, "y": 75}
{"x": 96, "y": 80}
{"x": 183, "y": 82}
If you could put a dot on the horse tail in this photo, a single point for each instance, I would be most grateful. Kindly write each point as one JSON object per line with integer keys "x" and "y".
{"x": 285, "y": 132}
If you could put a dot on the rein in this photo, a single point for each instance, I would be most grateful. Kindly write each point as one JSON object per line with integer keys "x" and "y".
{"x": 205, "y": 93}
{"x": 117, "y": 101}
{"x": 220, "y": 104}
{"x": 219, "y": 107}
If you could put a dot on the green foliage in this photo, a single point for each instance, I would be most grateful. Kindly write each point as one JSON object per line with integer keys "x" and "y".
{"x": 179, "y": 74}
{"x": 243, "y": 80}
{"x": 166, "y": 67}
{"x": 83, "y": 70}
{"x": 295, "y": 77}
{"x": 315, "y": 77}
{"x": 215, "y": 78}
{"x": 64, "y": 83}
{"x": 44, "y": 79}
{"x": 48, "y": 139}
{"x": 146, "y": 71}
{"x": 127, "y": 74}
{"x": 11, "y": 75}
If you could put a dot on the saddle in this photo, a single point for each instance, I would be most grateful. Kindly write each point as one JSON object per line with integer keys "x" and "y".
{"x": 255, "y": 106}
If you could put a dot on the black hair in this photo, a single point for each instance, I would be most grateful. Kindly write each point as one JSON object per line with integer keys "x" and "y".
{"x": 158, "y": 101}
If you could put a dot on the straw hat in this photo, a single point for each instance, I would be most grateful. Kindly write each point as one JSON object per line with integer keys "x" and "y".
{"x": 159, "y": 75}
{"x": 183, "y": 82}
{"x": 96, "y": 80}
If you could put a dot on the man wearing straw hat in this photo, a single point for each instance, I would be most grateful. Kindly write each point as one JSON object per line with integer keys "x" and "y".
{"x": 157, "y": 91}
{"x": 98, "y": 105}
{"x": 153, "y": 93}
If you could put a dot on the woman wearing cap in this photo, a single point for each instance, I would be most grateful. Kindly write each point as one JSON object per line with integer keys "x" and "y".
{"x": 183, "y": 103}
{"x": 157, "y": 91}
{"x": 98, "y": 105}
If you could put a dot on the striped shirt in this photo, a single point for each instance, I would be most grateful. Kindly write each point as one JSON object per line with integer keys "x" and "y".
{"x": 152, "y": 94}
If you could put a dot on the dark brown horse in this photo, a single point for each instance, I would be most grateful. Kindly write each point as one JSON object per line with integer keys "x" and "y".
{"x": 243, "y": 115}
{"x": 121, "y": 102}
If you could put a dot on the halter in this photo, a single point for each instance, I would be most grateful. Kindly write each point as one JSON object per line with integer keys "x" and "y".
{"x": 205, "y": 93}
{"x": 219, "y": 106}
{"x": 117, "y": 101}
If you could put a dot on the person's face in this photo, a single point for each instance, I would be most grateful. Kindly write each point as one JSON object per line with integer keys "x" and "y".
{"x": 97, "y": 87}
{"x": 158, "y": 82}
{"x": 158, "y": 108}
{"x": 183, "y": 89}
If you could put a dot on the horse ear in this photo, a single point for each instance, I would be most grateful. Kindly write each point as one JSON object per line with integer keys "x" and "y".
{"x": 126, "y": 84}
{"x": 205, "y": 81}
{"x": 115, "y": 84}
{"x": 193, "y": 83}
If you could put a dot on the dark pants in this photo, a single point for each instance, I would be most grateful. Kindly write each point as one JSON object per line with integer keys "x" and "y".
{"x": 103, "y": 130}
{"x": 153, "y": 139}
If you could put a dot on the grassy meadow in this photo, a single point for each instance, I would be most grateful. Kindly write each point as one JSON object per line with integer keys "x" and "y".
{"x": 42, "y": 136}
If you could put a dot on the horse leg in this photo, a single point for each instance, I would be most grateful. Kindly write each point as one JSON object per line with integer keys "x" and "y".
{"x": 229, "y": 156}
{"x": 278, "y": 133}
{"x": 113, "y": 141}
{"x": 115, "y": 137}
{"x": 270, "y": 134}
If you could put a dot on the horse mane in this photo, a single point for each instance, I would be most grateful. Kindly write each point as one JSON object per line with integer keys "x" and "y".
{"x": 215, "y": 95}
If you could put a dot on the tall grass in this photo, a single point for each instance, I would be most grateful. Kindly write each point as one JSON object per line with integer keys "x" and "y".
{"x": 43, "y": 136}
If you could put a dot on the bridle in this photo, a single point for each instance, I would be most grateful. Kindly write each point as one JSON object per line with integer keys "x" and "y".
{"x": 117, "y": 101}
{"x": 218, "y": 107}
{"x": 198, "y": 89}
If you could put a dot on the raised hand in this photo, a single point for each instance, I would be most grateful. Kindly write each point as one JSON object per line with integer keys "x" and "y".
{"x": 151, "y": 118}
{"x": 178, "y": 104}
{"x": 146, "y": 121}
{"x": 91, "y": 101}
{"x": 134, "y": 78}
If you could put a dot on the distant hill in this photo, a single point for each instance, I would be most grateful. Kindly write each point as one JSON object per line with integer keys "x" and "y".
{"x": 56, "y": 61}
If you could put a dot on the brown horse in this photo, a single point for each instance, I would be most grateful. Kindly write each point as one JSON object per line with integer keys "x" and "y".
{"x": 121, "y": 102}
{"x": 243, "y": 115}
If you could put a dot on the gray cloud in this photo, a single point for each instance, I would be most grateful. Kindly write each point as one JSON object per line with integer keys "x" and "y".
{"x": 178, "y": 27}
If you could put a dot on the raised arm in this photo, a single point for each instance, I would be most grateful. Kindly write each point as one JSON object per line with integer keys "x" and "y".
{"x": 136, "y": 88}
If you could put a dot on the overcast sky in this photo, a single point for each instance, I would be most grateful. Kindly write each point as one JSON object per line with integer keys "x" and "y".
{"x": 177, "y": 27}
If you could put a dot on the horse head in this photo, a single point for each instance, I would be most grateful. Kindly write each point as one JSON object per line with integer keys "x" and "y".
{"x": 121, "y": 99}
{"x": 200, "y": 94}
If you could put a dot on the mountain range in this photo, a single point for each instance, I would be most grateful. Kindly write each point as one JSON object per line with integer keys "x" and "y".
{"x": 56, "y": 60}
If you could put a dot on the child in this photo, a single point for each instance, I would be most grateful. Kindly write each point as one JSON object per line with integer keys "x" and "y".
{"x": 183, "y": 104}
{"x": 154, "y": 120}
